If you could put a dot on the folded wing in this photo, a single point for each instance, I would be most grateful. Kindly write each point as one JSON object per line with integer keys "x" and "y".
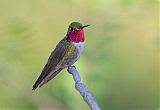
{"x": 54, "y": 59}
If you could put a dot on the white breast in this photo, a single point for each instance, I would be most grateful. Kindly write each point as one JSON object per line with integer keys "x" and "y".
{"x": 80, "y": 47}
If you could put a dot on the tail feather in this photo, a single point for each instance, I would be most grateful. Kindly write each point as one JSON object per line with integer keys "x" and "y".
{"x": 35, "y": 85}
{"x": 39, "y": 82}
{"x": 48, "y": 78}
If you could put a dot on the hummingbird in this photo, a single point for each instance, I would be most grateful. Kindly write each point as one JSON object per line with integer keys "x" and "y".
{"x": 66, "y": 53}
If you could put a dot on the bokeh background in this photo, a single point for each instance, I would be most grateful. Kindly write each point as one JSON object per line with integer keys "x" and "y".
{"x": 119, "y": 64}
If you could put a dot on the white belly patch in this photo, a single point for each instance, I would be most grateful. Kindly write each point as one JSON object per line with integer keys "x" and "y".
{"x": 80, "y": 47}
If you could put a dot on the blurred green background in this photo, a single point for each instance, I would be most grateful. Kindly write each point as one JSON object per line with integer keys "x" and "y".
{"x": 119, "y": 64}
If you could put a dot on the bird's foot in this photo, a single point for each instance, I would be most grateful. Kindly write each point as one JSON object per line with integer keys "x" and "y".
{"x": 70, "y": 68}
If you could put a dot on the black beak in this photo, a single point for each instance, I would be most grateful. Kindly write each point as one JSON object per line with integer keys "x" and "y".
{"x": 85, "y": 26}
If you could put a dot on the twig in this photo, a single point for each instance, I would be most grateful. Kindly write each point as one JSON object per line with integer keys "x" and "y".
{"x": 81, "y": 88}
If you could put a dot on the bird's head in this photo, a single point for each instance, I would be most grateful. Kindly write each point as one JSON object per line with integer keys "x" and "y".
{"x": 75, "y": 32}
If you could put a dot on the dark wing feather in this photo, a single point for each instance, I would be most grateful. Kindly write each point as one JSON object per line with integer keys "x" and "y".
{"x": 55, "y": 57}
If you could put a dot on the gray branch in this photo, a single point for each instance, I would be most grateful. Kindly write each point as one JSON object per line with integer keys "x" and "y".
{"x": 81, "y": 88}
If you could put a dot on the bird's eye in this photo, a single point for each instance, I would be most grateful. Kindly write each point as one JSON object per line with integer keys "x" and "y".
{"x": 72, "y": 28}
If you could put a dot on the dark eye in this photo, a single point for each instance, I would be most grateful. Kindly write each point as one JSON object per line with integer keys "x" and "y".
{"x": 72, "y": 28}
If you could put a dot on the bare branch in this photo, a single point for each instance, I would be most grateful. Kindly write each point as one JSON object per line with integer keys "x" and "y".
{"x": 81, "y": 88}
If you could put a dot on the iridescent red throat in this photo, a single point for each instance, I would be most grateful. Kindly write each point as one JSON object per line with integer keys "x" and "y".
{"x": 76, "y": 36}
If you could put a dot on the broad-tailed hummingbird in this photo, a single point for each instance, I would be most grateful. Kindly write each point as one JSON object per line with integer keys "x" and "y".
{"x": 66, "y": 53}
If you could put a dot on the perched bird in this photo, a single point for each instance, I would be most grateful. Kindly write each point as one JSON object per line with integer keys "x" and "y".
{"x": 66, "y": 53}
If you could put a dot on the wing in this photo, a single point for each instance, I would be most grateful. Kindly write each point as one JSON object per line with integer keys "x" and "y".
{"x": 55, "y": 57}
